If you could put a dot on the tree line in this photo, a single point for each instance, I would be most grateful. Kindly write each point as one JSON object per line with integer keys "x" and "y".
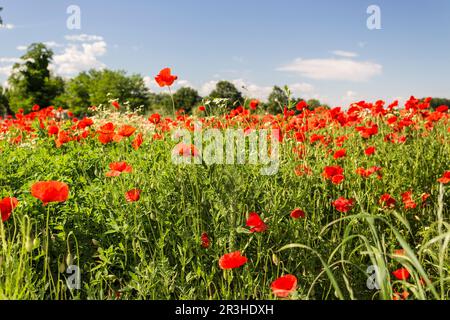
{"x": 32, "y": 82}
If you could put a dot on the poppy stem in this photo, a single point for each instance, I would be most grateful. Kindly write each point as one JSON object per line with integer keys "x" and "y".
{"x": 173, "y": 104}
{"x": 47, "y": 235}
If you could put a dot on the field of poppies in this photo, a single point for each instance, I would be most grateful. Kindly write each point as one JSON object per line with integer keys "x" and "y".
{"x": 357, "y": 210}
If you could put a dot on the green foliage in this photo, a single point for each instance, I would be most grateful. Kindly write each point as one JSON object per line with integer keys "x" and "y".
{"x": 278, "y": 99}
{"x": 437, "y": 102}
{"x": 227, "y": 90}
{"x": 98, "y": 87}
{"x": 160, "y": 103}
{"x": 151, "y": 249}
{"x": 187, "y": 99}
{"x": 31, "y": 81}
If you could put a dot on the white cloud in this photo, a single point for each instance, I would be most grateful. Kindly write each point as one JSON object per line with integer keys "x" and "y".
{"x": 334, "y": 69}
{"x": 184, "y": 83}
{"x": 252, "y": 90}
{"x": 238, "y": 59}
{"x": 22, "y": 48}
{"x": 345, "y": 54}
{"x": 7, "y": 26}
{"x": 10, "y": 60}
{"x": 6, "y": 70}
{"x": 52, "y": 44}
{"x": 362, "y": 44}
{"x": 77, "y": 58}
{"x": 83, "y": 38}
{"x": 300, "y": 89}
{"x": 350, "y": 96}
{"x": 148, "y": 81}
{"x": 207, "y": 87}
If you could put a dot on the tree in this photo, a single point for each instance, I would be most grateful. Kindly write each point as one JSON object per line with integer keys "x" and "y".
{"x": 313, "y": 103}
{"x": 98, "y": 87}
{"x": 160, "y": 103}
{"x": 186, "y": 98}
{"x": 227, "y": 90}
{"x": 437, "y": 102}
{"x": 277, "y": 100}
{"x": 31, "y": 81}
{"x": 1, "y": 20}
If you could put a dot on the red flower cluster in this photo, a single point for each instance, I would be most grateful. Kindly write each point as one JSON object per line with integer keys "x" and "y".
{"x": 408, "y": 200}
{"x": 343, "y": 205}
{"x": 387, "y": 201}
{"x": 334, "y": 173}
{"x": 117, "y": 168}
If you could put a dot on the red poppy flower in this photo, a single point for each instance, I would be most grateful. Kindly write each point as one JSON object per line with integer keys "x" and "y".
{"x": 387, "y": 200}
{"x": 186, "y": 150}
{"x": 52, "y": 130}
{"x": 424, "y": 198}
{"x": 201, "y": 108}
{"x": 399, "y": 252}
{"x": 400, "y": 296}
{"x": 155, "y": 118}
{"x": 334, "y": 173}
{"x": 133, "y": 195}
{"x": 367, "y": 173}
{"x": 442, "y": 109}
{"x": 370, "y": 151}
{"x": 164, "y": 78}
{"x": 86, "y": 122}
{"x": 105, "y": 138}
{"x": 367, "y": 132}
{"x": 126, "y": 131}
{"x": 137, "y": 142}
{"x": 401, "y": 274}
{"x": 232, "y": 260}
{"x": 445, "y": 178}
{"x": 254, "y": 104}
{"x": 301, "y": 170}
{"x": 343, "y": 205}
{"x": 107, "y": 128}
{"x": 106, "y": 133}
{"x": 297, "y": 213}
{"x": 255, "y": 221}
{"x": 7, "y": 206}
{"x": 408, "y": 201}
{"x": 301, "y": 105}
{"x": 116, "y": 105}
{"x": 117, "y": 168}
{"x": 284, "y": 286}
{"x": 50, "y": 191}
{"x": 340, "y": 154}
{"x": 205, "y": 240}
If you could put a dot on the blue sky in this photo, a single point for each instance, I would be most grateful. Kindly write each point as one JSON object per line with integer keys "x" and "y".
{"x": 322, "y": 49}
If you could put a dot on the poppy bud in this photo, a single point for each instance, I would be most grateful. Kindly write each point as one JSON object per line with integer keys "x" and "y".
{"x": 69, "y": 259}
{"x": 29, "y": 244}
{"x": 61, "y": 267}
{"x": 275, "y": 259}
